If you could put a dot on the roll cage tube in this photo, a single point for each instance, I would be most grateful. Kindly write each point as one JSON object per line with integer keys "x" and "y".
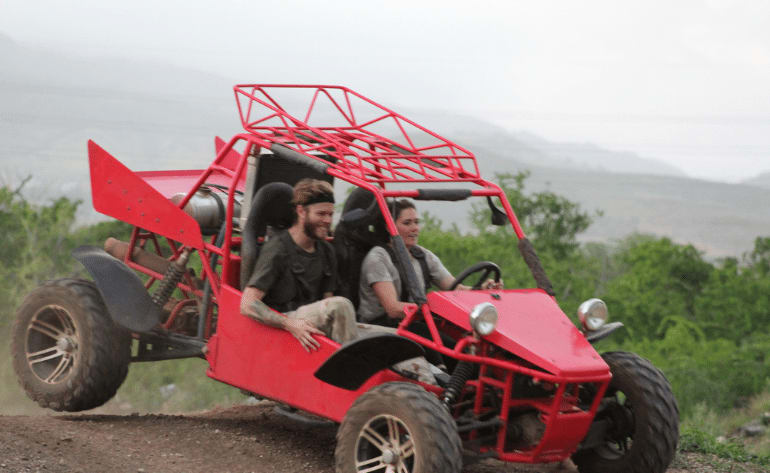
{"x": 362, "y": 158}
{"x": 416, "y": 290}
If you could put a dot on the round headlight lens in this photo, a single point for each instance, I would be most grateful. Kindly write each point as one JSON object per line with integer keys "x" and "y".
{"x": 592, "y": 314}
{"x": 483, "y": 318}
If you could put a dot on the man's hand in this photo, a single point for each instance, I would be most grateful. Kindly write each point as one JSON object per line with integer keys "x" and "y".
{"x": 303, "y": 331}
{"x": 491, "y": 284}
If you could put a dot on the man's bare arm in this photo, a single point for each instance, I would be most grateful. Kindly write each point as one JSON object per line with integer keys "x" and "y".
{"x": 252, "y": 306}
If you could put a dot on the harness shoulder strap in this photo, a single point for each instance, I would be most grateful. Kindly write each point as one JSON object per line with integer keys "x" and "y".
{"x": 419, "y": 255}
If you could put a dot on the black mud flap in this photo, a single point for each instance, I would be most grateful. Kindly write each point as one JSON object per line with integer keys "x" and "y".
{"x": 356, "y": 361}
{"x": 124, "y": 294}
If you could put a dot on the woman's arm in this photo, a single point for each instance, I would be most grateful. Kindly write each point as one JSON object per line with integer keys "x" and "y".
{"x": 386, "y": 294}
{"x": 446, "y": 283}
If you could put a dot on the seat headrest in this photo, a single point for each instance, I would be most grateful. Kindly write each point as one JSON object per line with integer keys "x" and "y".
{"x": 368, "y": 229}
{"x": 272, "y": 206}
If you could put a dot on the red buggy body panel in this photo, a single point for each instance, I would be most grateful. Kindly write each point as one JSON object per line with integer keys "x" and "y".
{"x": 270, "y": 362}
{"x": 531, "y": 325}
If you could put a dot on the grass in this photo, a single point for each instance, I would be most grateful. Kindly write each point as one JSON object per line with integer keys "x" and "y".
{"x": 173, "y": 386}
{"x": 707, "y": 431}
{"x": 694, "y": 440}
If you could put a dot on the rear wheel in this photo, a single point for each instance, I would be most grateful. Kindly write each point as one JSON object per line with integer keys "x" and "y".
{"x": 67, "y": 352}
{"x": 641, "y": 412}
{"x": 398, "y": 428}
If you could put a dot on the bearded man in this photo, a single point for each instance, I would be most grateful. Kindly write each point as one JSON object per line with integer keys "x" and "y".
{"x": 296, "y": 275}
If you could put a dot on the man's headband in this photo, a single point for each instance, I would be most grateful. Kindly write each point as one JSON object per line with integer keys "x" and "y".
{"x": 321, "y": 197}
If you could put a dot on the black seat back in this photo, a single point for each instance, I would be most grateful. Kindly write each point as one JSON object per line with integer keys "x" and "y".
{"x": 271, "y": 206}
{"x": 354, "y": 239}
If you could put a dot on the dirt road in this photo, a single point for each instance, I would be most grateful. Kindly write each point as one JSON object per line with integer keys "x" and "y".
{"x": 237, "y": 439}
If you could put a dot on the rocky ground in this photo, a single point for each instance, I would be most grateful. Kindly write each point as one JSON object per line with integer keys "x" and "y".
{"x": 236, "y": 439}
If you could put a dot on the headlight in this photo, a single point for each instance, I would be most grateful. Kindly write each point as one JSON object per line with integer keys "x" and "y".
{"x": 484, "y": 318}
{"x": 592, "y": 314}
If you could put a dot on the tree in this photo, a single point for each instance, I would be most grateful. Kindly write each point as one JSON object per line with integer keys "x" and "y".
{"x": 660, "y": 279}
{"x": 735, "y": 302}
{"x": 37, "y": 242}
{"x": 551, "y": 222}
{"x": 759, "y": 258}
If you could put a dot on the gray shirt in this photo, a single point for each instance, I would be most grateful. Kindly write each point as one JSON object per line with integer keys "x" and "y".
{"x": 378, "y": 267}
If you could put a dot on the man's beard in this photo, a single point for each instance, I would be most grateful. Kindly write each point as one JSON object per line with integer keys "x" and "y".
{"x": 310, "y": 229}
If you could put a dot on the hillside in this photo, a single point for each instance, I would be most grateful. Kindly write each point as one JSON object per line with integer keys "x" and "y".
{"x": 154, "y": 116}
{"x": 762, "y": 180}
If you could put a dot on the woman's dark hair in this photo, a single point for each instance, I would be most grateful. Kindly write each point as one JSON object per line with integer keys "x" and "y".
{"x": 400, "y": 205}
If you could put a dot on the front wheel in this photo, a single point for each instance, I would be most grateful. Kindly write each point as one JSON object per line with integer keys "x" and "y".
{"x": 67, "y": 352}
{"x": 398, "y": 428}
{"x": 642, "y": 417}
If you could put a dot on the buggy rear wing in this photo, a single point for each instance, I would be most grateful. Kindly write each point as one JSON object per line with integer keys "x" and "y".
{"x": 122, "y": 194}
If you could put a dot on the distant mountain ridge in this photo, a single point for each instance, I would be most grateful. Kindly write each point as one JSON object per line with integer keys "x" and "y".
{"x": 152, "y": 117}
{"x": 485, "y": 138}
{"x": 762, "y": 180}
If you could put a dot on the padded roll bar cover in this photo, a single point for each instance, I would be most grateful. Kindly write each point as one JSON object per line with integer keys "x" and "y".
{"x": 443, "y": 194}
{"x": 271, "y": 206}
{"x": 416, "y": 289}
{"x": 536, "y": 268}
{"x": 298, "y": 158}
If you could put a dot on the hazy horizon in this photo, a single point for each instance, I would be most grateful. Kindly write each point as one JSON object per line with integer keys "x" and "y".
{"x": 682, "y": 83}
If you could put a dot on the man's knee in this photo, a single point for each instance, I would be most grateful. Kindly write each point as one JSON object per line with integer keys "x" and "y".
{"x": 340, "y": 305}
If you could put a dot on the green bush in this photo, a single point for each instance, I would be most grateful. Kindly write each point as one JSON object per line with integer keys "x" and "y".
{"x": 721, "y": 373}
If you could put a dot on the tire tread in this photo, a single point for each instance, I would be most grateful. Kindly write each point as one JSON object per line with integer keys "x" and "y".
{"x": 442, "y": 441}
{"x": 660, "y": 439}
{"x": 102, "y": 370}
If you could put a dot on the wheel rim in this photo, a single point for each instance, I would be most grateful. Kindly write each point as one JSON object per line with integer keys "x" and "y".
{"x": 385, "y": 445}
{"x": 620, "y": 438}
{"x": 52, "y": 344}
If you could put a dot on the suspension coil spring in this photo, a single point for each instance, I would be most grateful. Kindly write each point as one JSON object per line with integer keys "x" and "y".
{"x": 172, "y": 277}
{"x": 461, "y": 374}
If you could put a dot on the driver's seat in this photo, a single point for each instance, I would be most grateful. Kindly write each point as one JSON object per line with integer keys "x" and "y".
{"x": 272, "y": 207}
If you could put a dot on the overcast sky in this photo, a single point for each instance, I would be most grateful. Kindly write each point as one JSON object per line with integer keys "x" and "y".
{"x": 686, "y": 82}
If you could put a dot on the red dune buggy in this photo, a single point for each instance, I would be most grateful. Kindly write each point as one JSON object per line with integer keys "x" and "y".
{"x": 524, "y": 383}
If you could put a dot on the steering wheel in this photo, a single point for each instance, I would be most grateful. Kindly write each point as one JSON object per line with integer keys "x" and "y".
{"x": 486, "y": 268}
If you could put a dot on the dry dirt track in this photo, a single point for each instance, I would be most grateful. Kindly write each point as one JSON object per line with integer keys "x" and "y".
{"x": 236, "y": 439}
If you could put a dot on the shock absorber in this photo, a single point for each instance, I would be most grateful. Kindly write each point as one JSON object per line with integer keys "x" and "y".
{"x": 461, "y": 374}
{"x": 172, "y": 277}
